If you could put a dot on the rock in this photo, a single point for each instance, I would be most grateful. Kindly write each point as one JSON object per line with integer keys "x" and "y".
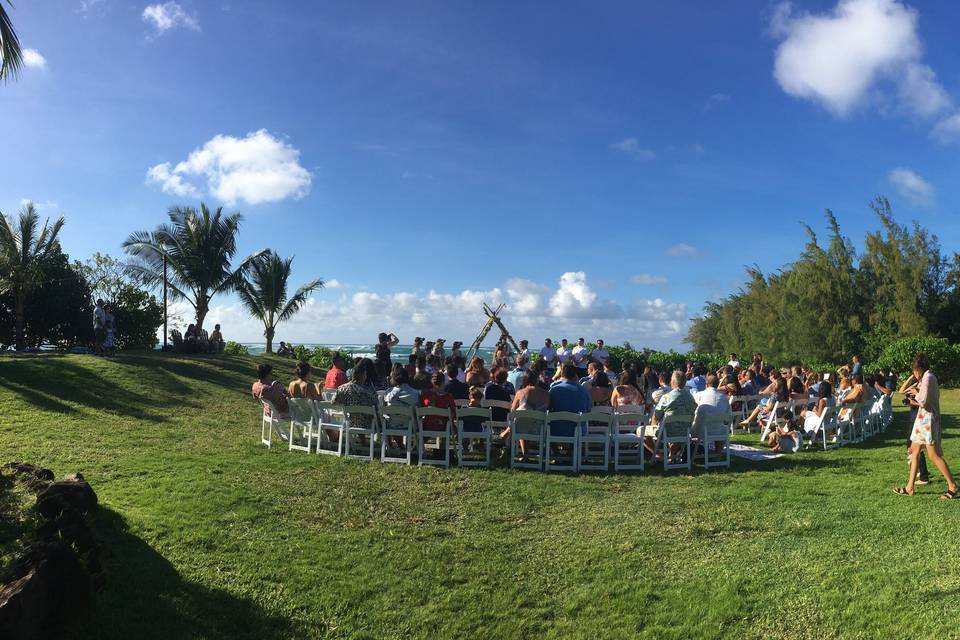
{"x": 67, "y": 494}
{"x": 47, "y": 588}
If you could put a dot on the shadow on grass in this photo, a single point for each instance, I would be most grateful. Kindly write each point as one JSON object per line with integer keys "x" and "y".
{"x": 145, "y": 597}
{"x": 58, "y": 383}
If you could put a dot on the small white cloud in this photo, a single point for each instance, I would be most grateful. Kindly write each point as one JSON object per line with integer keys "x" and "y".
{"x": 169, "y": 15}
{"x": 333, "y": 283}
{"x": 683, "y": 250}
{"x": 631, "y": 146}
{"x": 254, "y": 169}
{"x": 33, "y": 59}
{"x": 646, "y": 278}
{"x": 948, "y": 129}
{"x": 716, "y": 100}
{"x": 842, "y": 58}
{"x": 87, "y": 6}
{"x": 912, "y": 187}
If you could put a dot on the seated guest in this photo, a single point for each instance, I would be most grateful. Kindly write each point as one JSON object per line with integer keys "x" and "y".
{"x": 711, "y": 396}
{"x": 775, "y": 392}
{"x": 266, "y": 388}
{"x": 216, "y": 339}
{"x": 811, "y": 415}
{"x": 284, "y": 349}
{"x": 401, "y": 393}
{"x": 360, "y": 391}
{"x": 592, "y": 370}
{"x": 494, "y": 390}
{"x": 477, "y": 374}
{"x": 530, "y": 397}
{"x": 336, "y": 376}
{"x": 459, "y": 390}
{"x": 473, "y": 423}
{"x": 301, "y": 387}
{"x": 855, "y": 395}
{"x": 699, "y": 381}
{"x": 411, "y": 366}
{"x": 786, "y": 437}
{"x": 662, "y": 388}
{"x": 611, "y": 374}
{"x": 748, "y": 383}
{"x": 515, "y": 375}
{"x": 421, "y": 377}
{"x": 677, "y": 401}
{"x": 601, "y": 390}
{"x": 568, "y": 395}
{"x": 795, "y": 383}
{"x": 436, "y": 397}
{"x": 626, "y": 392}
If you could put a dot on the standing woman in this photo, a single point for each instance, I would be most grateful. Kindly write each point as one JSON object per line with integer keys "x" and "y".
{"x": 926, "y": 429}
{"x": 382, "y": 358}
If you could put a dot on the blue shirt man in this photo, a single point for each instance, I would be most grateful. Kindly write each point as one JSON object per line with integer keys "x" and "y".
{"x": 567, "y": 395}
{"x": 697, "y": 383}
{"x": 515, "y": 377}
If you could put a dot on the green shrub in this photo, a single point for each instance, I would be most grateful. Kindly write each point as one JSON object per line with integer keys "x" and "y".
{"x": 232, "y": 348}
{"x": 944, "y": 358}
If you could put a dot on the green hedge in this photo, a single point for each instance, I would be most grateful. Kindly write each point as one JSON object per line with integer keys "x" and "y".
{"x": 944, "y": 357}
{"x": 232, "y": 348}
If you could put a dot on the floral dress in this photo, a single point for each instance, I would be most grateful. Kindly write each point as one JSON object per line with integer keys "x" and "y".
{"x": 926, "y": 428}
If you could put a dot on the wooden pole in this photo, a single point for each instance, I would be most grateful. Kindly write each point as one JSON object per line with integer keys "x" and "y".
{"x": 164, "y": 303}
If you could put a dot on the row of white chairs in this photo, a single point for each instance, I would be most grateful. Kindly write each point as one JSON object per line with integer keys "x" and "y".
{"x": 838, "y": 424}
{"x": 601, "y": 438}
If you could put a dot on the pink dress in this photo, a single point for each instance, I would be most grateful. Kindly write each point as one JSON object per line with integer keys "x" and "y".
{"x": 926, "y": 428}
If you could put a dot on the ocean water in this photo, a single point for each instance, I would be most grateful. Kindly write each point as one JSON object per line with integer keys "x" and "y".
{"x": 399, "y": 353}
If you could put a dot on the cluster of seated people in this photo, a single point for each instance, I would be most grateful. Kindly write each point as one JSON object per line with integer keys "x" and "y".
{"x": 196, "y": 340}
{"x": 427, "y": 382}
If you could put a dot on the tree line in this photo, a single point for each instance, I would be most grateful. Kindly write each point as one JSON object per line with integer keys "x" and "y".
{"x": 834, "y": 301}
{"x": 47, "y": 300}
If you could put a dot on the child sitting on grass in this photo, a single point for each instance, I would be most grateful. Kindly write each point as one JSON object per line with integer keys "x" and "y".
{"x": 787, "y": 437}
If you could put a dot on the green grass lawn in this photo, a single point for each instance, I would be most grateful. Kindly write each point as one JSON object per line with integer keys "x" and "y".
{"x": 210, "y": 535}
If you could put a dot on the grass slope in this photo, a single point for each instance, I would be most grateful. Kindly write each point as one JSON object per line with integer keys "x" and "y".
{"x": 210, "y": 535}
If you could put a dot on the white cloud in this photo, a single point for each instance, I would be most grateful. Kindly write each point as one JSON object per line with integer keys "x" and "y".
{"x": 683, "y": 250}
{"x": 912, "y": 187}
{"x": 87, "y": 6}
{"x": 646, "y": 278}
{"x": 843, "y": 58}
{"x": 169, "y": 15}
{"x": 631, "y": 146}
{"x": 533, "y": 311}
{"x": 33, "y": 59}
{"x": 948, "y": 129}
{"x": 254, "y": 169}
{"x": 716, "y": 100}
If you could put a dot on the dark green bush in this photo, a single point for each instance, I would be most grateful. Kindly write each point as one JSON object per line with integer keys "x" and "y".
{"x": 232, "y": 348}
{"x": 944, "y": 357}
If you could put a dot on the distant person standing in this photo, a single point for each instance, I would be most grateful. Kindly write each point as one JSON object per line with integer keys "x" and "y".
{"x": 600, "y": 355}
{"x": 99, "y": 327}
{"x": 581, "y": 357}
{"x": 855, "y": 366}
{"x": 525, "y": 353}
{"x": 382, "y": 358}
{"x": 549, "y": 356}
{"x": 564, "y": 353}
{"x": 734, "y": 361}
{"x": 926, "y": 429}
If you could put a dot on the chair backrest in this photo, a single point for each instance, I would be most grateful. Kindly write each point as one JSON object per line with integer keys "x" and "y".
{"x": 628, "y": 422}
{"x": 301, "y": 409}
{"x": 328, "y": 413}
{"x": 177, "y": 337}
{"x": 527, "y": 421}
{"x": 628, "y": 408}
{"x": 715, "y": 423}
{"x": 397, "y": 416}
{"x": 495, "y": 404}
{"x": 462, "y": 402}
{"x": 472, "y": 412}
{"x": 676, "y": 425}
{"x": 554, "y": 417}
{"x": 598, "y": 422}
{"x": 352, "y": 411}
{"x": 268, "y": 407}
{"x": 423, "y": 412}
{"x": 329, "y": 394}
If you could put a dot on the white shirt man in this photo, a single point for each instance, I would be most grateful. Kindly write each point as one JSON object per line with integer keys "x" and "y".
{"x": 710, "y": 400}
{"x": 564, "y": 353}
{"x": 580, "y": 355}
{"x": 525, "y": 354}
{"x": 600, "y": 354}
{"x": 549, "y": 354}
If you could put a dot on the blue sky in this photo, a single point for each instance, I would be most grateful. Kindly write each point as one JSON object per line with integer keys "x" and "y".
{"x": 603, "y": 169}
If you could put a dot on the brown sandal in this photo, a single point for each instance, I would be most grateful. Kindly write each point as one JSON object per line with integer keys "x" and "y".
{"x": 902, "y": 491}
{"x": 951, "y": 495}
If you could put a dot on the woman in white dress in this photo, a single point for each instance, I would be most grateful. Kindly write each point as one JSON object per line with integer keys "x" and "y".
{"x": 926, "y": 430}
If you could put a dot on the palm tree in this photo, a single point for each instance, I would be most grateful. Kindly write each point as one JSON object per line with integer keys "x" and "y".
{"x": 24, "y": 254}
{"x": 264, "y": 293}
{"x": 198, "y": 247}
{"x": 11, "y": 57}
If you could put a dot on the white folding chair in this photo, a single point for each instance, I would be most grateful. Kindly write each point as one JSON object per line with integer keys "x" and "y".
{"x": 397, "y": 421}
{"x": 442, "y": 436}
{"x": 529, "y": 426}
{"x": 827, "y": 429}
{"x": 329, "y": 419}
{"x": 740, "y": 414}
{"x": 301, "y": 417}
{"x": 712, "y": 428}
{"x": 628, "y": 452}
{"x": 847, "y": 424}
{"x": 553, "y": 461}
{"x": 771, "y": 422}
{"x": 328, "y": 394}
{"x": 361, "y": 422}
{"x": 675, "y": 429}
{"x": 594, "y": 447}
{"x": 497, "y": 426}
{"x": 464, "y": 438}
{"x": 462, "y": 402}
{"x": 270, "y": 422}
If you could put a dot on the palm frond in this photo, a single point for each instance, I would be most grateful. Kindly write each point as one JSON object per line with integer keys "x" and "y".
{"x": 11, "y": 56}
{"x": 296, "y": 302}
